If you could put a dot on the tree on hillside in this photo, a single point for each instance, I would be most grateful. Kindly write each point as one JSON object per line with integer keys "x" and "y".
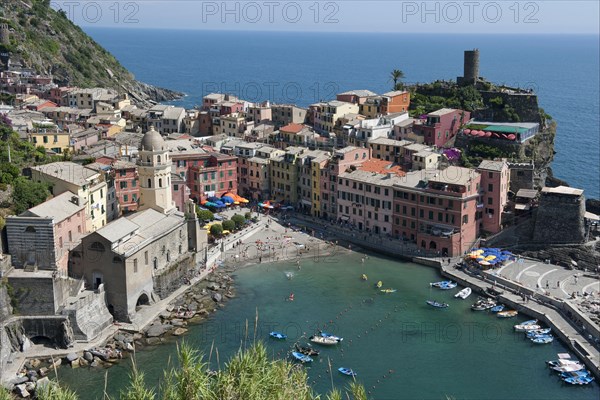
{"x": 396, "y": 76}
{"x": 239, "y": 220}
{"x": 27, "y": 194}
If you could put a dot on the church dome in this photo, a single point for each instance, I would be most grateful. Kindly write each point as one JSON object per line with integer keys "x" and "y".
{"x": 152, "y": 141}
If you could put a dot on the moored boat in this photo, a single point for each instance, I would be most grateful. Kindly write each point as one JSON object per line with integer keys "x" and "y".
{"x": 440, "y": 283}
{"x": 483, "y": 304}
{"x": 307, "y": 350}
{"x": 329, "y": 335}
{"x": 538, "y": 332}
{"x": 507, "y": 314}
{"x": 579, "y": 380}
{"x": 530, "y": 322}
{"x": 388, "y": 290}
{"x": 544, "y": 339}
{"x": 447, "y": 286}
{"x": 498, "y": 308}
{"x": 437, "y": 304}
{"x": 347, "y": 371}
{"x": 278, "y": 335}
{"x": 463, "y": 294}
{"x": 379, "y": 285}
{"x": 565, "y": 364}
{"x": 325, "y": 341}
{"x": 525, "y": 328}
{"x": 301, "y": 357}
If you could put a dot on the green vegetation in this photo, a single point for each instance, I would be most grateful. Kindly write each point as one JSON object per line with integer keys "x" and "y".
{"x": 248, "y": 215}
{"x": 239, "y": 221}
{"x": 216, "y": 230}
{"x": 249, "y": 374}
{"x": 396, "y": 76}
{"x": 440, "y": 94}
{"x": 204, "y": 215}
{"x": 27, "y": 194}
{"x": 228, "y": 225}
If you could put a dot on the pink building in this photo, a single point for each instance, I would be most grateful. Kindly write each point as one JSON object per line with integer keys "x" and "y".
{"x": 366, "y": 196}
{"x": 437, "y": 209}
{"x": 340, "y": 161}
{"x": 127, "y": 187}
{"x": 441, "y": 126}
{"x": 180, "y": 192}
{"x": 495, "y": 179}
{"x": 43, "y": 235}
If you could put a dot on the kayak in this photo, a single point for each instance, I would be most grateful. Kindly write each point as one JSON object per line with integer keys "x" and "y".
{"x": 388, "y": 290}
{"x": 278, "y": 335}
{"x": 347, "y": 371}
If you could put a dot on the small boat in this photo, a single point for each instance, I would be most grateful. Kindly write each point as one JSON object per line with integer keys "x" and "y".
{"x": 448, "y": 286}
{"x": 483, "y": 304}
{"x": 329, "y": 335}
{"x": 434, "y": 303}
{"x": 565, "y": 365}
{"x": 463, "y": 294}
{"x": 388, "y": 290}
{"x": 507, "y": 314}
{"x": 497, "y": 308}
{"x": 379, "y": 285}
{"x": 291, "y": 297}
{"x": 525, "y": 328}
{"x": 582, "y": 372}
{"x": 301, "y": 357}
{"x": 347, "y": 371}
{"x": 538, "y": 332}
{"x": 530, "y": 322}
{"x": 307, "y": 350}
{"x": 542, "y": 339}
{"x": 440, "y": 283}
{"x": 325, "y": 341}
{"x": 364, "y": 277}
{"x": 277, "y": 335}
{"x": 579, "y": 380}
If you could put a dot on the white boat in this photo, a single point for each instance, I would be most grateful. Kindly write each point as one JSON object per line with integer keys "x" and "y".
{"x": 525, "y": 328}
{"x": 463, "y": 294}
{"x": 325, "y": 341}
{"x": 565, "y": 365}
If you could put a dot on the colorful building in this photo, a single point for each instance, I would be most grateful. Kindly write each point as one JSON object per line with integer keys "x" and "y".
{"x": 441, "y": 126}
{"x": 495, "y": 182}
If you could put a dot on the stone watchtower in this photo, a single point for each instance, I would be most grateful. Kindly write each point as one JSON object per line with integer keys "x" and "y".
{"x": 4, "y": 34}
{"x": 154, "y": 169}
{"x": 471, "y": 68}
{"x": 560, "y": 216}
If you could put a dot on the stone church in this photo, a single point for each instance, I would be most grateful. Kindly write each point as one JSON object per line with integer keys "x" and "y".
{"x": 156, "y": 246}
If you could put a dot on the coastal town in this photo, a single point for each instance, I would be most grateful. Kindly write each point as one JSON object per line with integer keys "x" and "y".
{"x": 149, "y": 209}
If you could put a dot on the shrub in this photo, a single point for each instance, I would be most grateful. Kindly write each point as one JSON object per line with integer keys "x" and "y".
{"x": 204, "y": 215}
{"x": 239, "y": 221}
{"x": 216, "y": 230}
{"x": 229, "y": 225}
{"x": 248, "y": 215}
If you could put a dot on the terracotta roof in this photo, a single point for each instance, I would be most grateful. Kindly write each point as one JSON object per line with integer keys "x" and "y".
{"x": 293, "y": 128}
{"x": 381, "y": 167}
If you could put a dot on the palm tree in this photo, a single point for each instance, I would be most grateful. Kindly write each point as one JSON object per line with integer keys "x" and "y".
{"x": 395, "y": 76}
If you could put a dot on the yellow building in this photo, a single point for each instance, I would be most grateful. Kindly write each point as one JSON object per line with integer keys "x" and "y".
{"x": 327, "y": 114}
{"x": 84, "y": 182}
{"x": 318, "y": 164}
{"x": 284, "y": 175}
{"x": 57, "y": 142}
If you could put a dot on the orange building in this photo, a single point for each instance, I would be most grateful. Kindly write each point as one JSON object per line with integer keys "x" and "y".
{"x": 396, "y": 101}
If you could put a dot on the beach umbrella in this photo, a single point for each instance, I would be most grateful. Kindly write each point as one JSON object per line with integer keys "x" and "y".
{"x": 467, "y": 131}
{"x": 511, "y": 137}
{"x": 227, "y": 199}
{"x": 484, "y": 263}
{"x": 488, "y": 134}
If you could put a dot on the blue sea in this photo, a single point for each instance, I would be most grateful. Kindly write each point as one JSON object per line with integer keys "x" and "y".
{"x": 303, "y": 68}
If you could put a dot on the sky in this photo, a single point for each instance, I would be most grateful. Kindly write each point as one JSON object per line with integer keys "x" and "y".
{"x": 477, "y": 17}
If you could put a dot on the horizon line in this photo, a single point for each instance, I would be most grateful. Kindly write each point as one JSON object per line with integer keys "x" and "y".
{"x": 125, "y": 27}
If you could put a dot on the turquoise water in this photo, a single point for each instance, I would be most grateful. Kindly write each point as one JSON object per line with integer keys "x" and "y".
{"x": 432, "y": 352}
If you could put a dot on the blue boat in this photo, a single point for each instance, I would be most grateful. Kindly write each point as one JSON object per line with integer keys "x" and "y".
{"x": 538, "y": 332}
{"x": 497, "y": 308}
{"x": 434, "y": 303}
{"x": 574, "y": 374}
{"x": 301, "y": 357}
{"x": 579, "y": 380}
{"x": 347, "y": 371}
{"x": 542, "y": 339}
{"x": 441, "y": 283}
{"x": 448, "y": 285}
{"x": 278, "y": 335}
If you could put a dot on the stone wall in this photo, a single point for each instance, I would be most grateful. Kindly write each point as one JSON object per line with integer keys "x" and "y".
{"x": 40, "y": 295}
{"x": 526, "y": 105}
{"x": 171, "y": 278}
{"x": 88, "y": 314}
{"x": 560, "y": 219}
{"x": 5, "y": 307}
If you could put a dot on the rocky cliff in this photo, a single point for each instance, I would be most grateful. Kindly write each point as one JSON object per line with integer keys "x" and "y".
{"x": 5, "y": 307}
{"x": 47, "y": 41}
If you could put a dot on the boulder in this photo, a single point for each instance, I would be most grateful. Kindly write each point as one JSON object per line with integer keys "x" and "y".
{"x": 75, "y": 364}
{"x": 213, "y": 286}
{"x": 42, "y": 372}
{"x": 30, "y": 387}
{"x": 156, "y": 330}
{"x": 87, "y": 356}
{"x": 21, "y": 391}
{"x": 42, "y": 382}
{"x": 217, "y": 297}
{"x": 72, "y": 357}
{"x": 153, "y": 341}
{"x": 19, "y": 380}
{"x": 83, "y": 362}
{"x": 55, "y": 363}
{"x": 179, "y": 331}
{"x": 34, "y": 363}
{"x": 32, "y": 374}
